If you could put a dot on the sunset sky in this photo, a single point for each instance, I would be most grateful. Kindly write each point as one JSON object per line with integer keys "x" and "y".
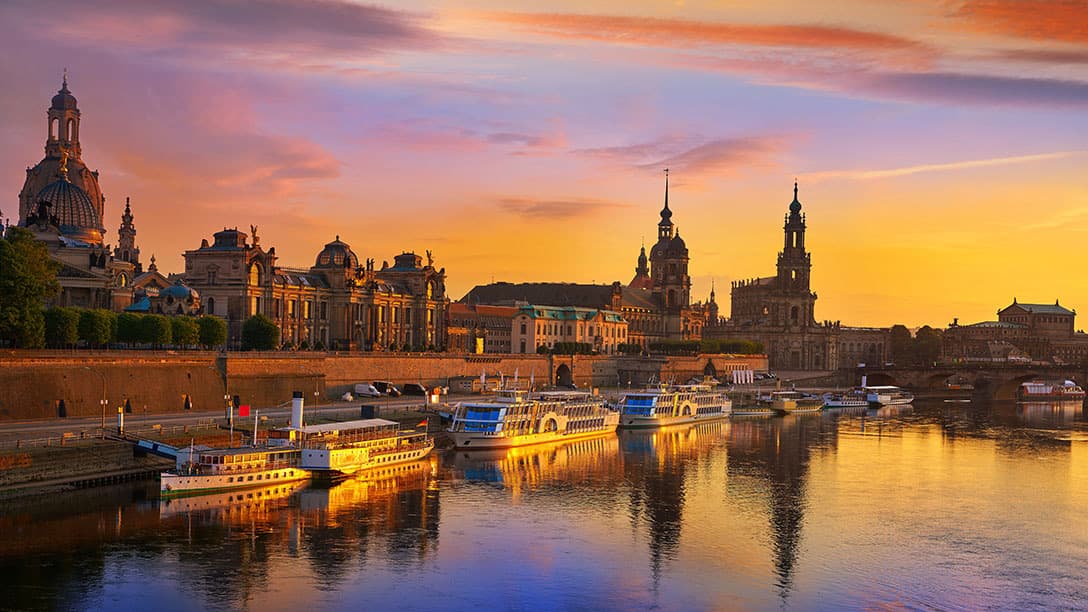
{"x": 941, "y": 146}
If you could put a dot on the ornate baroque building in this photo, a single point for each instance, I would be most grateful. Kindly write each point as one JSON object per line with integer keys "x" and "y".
{"x": 779, "y": 311}
{"x": 62, "y": 203}
{"x": 337, "y": 303}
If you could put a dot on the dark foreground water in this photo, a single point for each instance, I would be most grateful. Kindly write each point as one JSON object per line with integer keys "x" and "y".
{"x": 936, "y": 506}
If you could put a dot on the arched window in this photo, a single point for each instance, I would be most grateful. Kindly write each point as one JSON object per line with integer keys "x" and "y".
{"x": 70, "y": 132}
{"x": 793, "y": 313}
{"x": 122, "y": 280}
{"x": 53, "y": 125}
{"x": 211, "y": 305}
{"x": 255, "y": 274}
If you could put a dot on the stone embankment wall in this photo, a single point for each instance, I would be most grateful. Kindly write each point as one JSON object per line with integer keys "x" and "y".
{"x": 156, "y": 382}
{"x": 85, "y": 459}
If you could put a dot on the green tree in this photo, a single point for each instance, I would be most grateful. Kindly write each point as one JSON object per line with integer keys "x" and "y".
{"x": 61, "y": 327}
{"x": 185, "y": 331}
{"x": 129, "y": 328}
{"x": 96, "y": 326}
{"x": 900, "y": 345}
{"x": 155, "y": 329}
{"x": 927, "y": 345}
{"x": 260, "y": 333}
{"x": 28, "y": 278}
{"x": 213, "y": 331}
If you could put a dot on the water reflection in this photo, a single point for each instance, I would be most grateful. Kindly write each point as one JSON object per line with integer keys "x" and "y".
{"x": 656, "y": 462}
{"x": 939, "y": 505}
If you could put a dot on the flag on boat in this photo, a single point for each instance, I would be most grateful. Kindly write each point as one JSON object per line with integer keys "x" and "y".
{"x": 243, "y": 410}
{"x": 422, "y": 423}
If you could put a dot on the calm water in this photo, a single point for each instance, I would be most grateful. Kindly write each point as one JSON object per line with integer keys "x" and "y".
{"x": 936, "y": 506}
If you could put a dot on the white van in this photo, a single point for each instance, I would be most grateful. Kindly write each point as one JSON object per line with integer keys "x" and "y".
{"x": 366, "y": 390}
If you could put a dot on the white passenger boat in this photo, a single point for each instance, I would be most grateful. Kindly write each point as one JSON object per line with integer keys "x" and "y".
{"x": 334, "y": 450}
{"x": 854, "y": 398}
{"x": 886, "y": 395}
{"x": 673, "y": 405}
{"x": 219, "y": 469}
{"x": 514, "y": 418}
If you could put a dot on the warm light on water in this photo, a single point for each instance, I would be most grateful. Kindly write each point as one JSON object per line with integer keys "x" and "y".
{"x": 946, "y": 506}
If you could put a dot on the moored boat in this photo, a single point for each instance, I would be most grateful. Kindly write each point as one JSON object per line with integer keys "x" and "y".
{"x": 514, "y": 418}
{"x": 335, "y": 450}
{"x": 1037, "y": 390}
{"x": 219, "y": 469}
{"x": 789, "y": 402}
{"x": 887, "y": 395}
{"x": 673, "y": 405}
{"x": 854, "y": 398}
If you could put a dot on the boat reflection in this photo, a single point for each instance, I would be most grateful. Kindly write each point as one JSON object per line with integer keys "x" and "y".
{"x": 575, "y": 462}
{"x": 232, "y": 506}
{"x": 1050, "y": 414}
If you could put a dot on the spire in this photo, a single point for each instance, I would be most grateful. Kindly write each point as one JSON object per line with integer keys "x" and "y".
{"x": 128, "y": 210}
{"x": 795, "y": 205}
{"x": 666, "y": 214}
{"x": 152, "y": 267}
{"x": 64, "y": 82}
{"x": 712, "y": 290}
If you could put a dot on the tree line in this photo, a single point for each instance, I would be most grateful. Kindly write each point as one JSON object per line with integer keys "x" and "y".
{"x": 921, "y": 349}
{"x": 96, "y": 328}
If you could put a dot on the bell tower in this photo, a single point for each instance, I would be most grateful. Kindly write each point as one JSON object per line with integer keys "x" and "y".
{"x": 63, "y": 117}
{"x": 794, "y": 268}
{"x": 126, "y": 244}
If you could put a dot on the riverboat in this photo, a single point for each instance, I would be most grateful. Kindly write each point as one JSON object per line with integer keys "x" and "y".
{"x": 789, "y": 402}
{"x": 854, "y": 398}
{"x": 673, "y": 405}
{"x": 514, "y": 418}
{"x": 334, "y": 450}
{"x": 1037, "y": 390}
{"x": 219, "y": 469}
{"x": 887, "y": 395}
{"x": 232, "y": 505}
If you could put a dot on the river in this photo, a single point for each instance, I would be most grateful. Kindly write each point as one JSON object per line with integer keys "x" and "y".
{"x": 932, "y": 506}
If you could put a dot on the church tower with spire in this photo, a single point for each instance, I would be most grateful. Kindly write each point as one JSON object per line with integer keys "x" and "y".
{"x": 126, "y": 243}
{"x": 796, "y": 299}
{"x": 669, "y": 263}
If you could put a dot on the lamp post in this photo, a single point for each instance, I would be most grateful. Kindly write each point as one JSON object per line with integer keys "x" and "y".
{"x": 315, "y": 401}
{"x": 103, "y": 402}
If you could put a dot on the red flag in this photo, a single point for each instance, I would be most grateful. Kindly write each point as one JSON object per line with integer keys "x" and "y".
{"x": 422, "y": 423}
{"x": 243, "y": 410}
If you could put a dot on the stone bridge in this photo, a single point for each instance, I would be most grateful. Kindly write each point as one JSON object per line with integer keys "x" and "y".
{"x": 997, "y": 381}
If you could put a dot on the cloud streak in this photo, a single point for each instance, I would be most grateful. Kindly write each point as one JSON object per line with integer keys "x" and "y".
{"x": 560, "y": 210}
{"x": 960, "y": 165}
{"x": 1043, "y": 20}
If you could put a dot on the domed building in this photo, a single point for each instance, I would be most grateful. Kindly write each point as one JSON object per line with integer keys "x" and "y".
{"x": 337, "y": 303}
{"x": 62, "y": 203}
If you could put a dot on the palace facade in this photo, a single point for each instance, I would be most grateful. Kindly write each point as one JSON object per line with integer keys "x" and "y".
{"x": 337, "y": 303}
{"x": 1037, "y": 332}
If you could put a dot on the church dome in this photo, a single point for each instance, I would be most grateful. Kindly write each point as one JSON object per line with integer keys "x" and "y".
{"x": 677, "y": 246}
{"x": 75, "y": 213}
{"x": 179, "y": 292}
{"x": 795, "y": 205}
{"x": 64, "y": 100}
{"x": 337, "y": 254}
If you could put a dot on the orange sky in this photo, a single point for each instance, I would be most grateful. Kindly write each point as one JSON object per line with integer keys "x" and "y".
{"x": 939, "y": 145}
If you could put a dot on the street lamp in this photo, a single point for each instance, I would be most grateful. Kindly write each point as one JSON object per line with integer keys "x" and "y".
{"x": 103, "y": 402}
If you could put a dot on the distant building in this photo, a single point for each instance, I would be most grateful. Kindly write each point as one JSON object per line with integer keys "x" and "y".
{"x": 536, "y": 327}
{"x": 779, "y": 311}
{"x": 479, "y": 329}
{"x": 1043, "y": 332}
{"x": 337, "y": 303}
{"x": 656, "y": 303}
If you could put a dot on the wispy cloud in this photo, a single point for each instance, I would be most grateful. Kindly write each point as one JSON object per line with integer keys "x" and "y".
{"x": 1043, "y": 20}
{"x": 694, "y": 156}
{"x": 562, "y": 210}
{"x": 423, "y": 133}
{"x": 286, "y": 33}
{"x": 945, "y": 167}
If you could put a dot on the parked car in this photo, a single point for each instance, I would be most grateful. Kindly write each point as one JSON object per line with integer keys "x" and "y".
{"x": 414, "y": 389}
{"x": 366, "y": 390}
{"x": 386, "y": 388}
